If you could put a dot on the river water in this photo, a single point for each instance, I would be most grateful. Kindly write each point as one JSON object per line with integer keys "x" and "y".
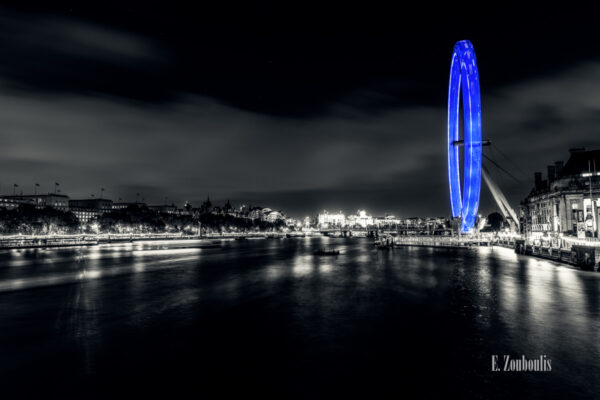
{"x": 268, "y": 319}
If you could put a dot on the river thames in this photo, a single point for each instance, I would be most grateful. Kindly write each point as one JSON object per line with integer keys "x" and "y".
{"x": 268, "y": 319}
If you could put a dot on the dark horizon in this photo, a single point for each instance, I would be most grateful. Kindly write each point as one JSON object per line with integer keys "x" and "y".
{"x": 288, "y": 107}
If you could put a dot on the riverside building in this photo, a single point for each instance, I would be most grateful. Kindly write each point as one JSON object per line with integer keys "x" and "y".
{"x": 327, "y": 220}
{"x": 57, "y": 201}
{"x": 87, "y": 209}
{"x": 566, "y": 203}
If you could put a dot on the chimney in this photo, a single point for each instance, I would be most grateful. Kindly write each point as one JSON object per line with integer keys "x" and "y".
{"x": 558, "y": 166}
{"x": 551, "y": 174}
{"x": 538, "y": 180}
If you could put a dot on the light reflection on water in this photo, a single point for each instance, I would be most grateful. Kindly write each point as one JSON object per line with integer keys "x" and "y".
{"x": 34, "y": 268}
{"x": 346, "y": 313}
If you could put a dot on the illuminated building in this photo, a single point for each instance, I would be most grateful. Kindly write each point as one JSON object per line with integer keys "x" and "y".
{"x": 464, "y": 76}
{"x": 257, "y": 212}
{"x": 124, "y": 206}
{"x": 564, "y": 203}
{"x": 57, "y": 201}
{"x": 86, "y": 209}
{"x": 386, "y": 221}
{"x": 293, "y": 222}
{"x": 327, "y": 220}
{"x": 264, "y": 214}
{"x": 361, "y": 219}
{"x": 414, "y": 222}
{"x": 273, "y": 216}
{"x": 96, "y": 204}
{"x": 10, "y": 202}
{"x": 86, "y": 214}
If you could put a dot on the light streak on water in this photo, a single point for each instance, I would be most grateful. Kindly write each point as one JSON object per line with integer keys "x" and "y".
{"x": 88, "y": 267}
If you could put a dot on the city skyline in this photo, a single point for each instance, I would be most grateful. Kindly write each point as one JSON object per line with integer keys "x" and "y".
{"x": 304, "y": 120}
{"x": 103, "y": 194}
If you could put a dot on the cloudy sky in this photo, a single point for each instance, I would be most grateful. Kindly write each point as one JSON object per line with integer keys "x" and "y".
{"x": 296, "y": 107}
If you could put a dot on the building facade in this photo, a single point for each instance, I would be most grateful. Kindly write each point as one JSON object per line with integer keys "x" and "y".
{"x": 87, "y": 209}
{"x": 11, "y": 202}
{"x": 57, "y": 201}
{"x": 273, "y": 216}
{"x": 566, "y": 202}
{"x": 327, "y": 220}
{"x": 386, "y": 221}
{"x": 124, "y": 206}
{"x": 360, "y": 219}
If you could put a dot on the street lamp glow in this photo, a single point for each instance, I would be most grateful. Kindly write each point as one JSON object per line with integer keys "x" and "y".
{"x": 464, "y": 76}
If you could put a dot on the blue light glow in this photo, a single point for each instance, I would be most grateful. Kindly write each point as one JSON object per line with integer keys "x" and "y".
{"x": 463, "y": 71}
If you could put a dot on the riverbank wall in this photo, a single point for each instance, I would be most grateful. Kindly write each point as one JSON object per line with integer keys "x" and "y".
{"x": 585, "y": 256}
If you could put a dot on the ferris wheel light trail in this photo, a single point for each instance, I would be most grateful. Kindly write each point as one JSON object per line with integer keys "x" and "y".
{"x": 464, "y": 76}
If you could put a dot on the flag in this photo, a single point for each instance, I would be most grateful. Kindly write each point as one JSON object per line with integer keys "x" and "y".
{"x": 56, "y": 184}
{"x": 37, "y": 184}
{"x": 16, "y": 185}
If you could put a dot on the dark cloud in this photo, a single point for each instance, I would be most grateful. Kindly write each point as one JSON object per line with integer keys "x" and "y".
{"x": 59, "y": 54}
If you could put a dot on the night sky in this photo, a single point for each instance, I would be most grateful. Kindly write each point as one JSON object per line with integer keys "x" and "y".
{"x": 298, "y": 107}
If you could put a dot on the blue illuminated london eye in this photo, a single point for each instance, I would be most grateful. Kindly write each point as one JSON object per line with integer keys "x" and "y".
{"x": 464, "y": 77}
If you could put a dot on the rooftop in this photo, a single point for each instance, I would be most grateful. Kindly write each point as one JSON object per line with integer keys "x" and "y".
{"x": 578, "y": 163}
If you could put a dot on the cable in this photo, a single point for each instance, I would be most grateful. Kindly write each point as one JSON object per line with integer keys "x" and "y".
{"x": 502, "y": 169}
{"x": 508, "y": 159}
